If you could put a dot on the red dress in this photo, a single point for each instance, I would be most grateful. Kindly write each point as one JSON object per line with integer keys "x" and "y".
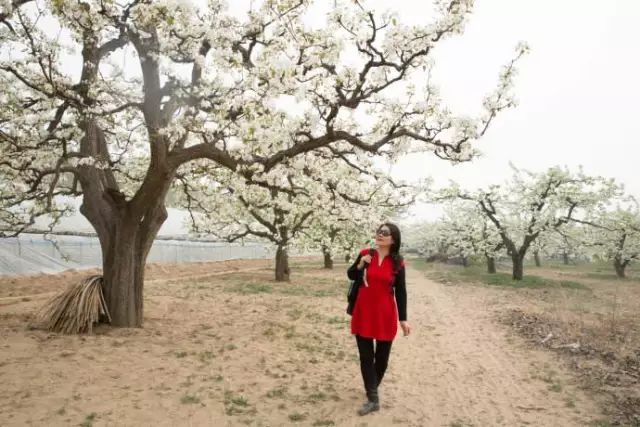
{"x": 375, "y": 314}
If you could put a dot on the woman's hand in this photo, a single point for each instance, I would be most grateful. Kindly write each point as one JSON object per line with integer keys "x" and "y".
{"x": 366, "y": 259}
{"x": 406, "y": 329}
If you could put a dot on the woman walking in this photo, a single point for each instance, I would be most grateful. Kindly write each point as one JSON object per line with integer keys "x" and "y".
{"x": 376, "y": 312}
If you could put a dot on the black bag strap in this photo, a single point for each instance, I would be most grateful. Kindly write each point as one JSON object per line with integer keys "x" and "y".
{"x": 371, "y": 253}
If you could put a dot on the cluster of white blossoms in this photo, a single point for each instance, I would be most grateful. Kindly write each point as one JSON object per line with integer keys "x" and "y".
{"x": 426, "y": 238}
{"x": 323, "y": 203}
{"x": 6, "y": 7}
{"x": 470, "y": 233}
{"x": 568, "y": 242}
{"x": 613, "y": 231}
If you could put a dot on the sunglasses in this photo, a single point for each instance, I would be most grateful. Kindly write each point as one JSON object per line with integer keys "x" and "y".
{"x": 383, "y": 233}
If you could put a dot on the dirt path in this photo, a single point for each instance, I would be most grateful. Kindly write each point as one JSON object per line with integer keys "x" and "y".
{"x": 460, "y": 368}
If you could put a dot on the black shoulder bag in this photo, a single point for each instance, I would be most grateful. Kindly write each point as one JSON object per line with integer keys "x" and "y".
{"x": 354, "y": 286}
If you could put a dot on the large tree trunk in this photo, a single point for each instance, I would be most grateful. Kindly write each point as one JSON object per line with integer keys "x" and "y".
{"x": 328, "y": 259}
{"x": 124, "y": 260}
{"x": 347, "y": 258}
{"x": 465, "y": 261}
{"x": 126, "y": 228}
{"x": 123, "y": 271}
{"x": 491, "y": 265}
{"x": 620, "y": 267}
{"x": 518, "y": 266}
{"x": 282, "y": 264}
{"x": 536, "y": 257}
{"x": 125, "y": 245}
{"x": 565, "y": 258}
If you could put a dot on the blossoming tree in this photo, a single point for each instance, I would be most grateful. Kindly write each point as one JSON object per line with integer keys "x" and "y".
{"x": 614, "y": 233}
{"x": 566, "y": 243}
{"x": 532, "y": 204}
{"x": 463, "y": 231}
{"x": 317, "y": 195}
{"x": 109, "y": 100}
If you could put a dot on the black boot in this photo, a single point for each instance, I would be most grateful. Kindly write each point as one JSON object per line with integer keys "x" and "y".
{"x": 372, "y": 405}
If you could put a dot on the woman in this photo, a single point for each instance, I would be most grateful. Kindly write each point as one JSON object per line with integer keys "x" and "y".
{"x": 376, "y": 313}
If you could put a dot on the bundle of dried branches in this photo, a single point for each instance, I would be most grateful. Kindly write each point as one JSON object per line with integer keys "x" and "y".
{"x": 75, "y": 310}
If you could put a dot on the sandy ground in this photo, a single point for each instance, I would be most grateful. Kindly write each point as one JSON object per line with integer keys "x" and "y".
{"x": 235, "y": 348}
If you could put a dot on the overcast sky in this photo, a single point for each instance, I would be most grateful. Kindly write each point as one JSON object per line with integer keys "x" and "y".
{"x": 578, "y": 89}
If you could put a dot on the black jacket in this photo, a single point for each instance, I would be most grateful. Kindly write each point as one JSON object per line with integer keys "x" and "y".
{"x": 399, "y": 285}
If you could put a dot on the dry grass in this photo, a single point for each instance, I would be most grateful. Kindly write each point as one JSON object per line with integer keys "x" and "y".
{"x": 77, "y": 309}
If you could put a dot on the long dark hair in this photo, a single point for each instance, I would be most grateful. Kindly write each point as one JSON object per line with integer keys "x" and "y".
{"x": 394, "y": 250}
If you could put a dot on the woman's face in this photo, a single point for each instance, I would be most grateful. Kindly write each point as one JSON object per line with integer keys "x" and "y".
{"x": 383, "y": 236}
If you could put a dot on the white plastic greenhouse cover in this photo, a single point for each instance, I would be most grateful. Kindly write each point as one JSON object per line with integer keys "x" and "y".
{"x": 33, "y": 253}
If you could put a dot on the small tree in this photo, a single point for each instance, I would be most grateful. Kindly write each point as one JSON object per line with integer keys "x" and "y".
{"x": 615, "y": 234}
{"x": 565, "y": 242}
{"x": 276, "y": 210}
{"x": 339, "y": 236}
{"x": 467, "y": 232}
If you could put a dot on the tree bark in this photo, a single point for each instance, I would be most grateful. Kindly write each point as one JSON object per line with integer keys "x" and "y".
{"x": 123, "y": 271}
{"x": 518, "y": 266}
{"x": 326, "y": 250}
{"x": 465, "y": 261}
{"x": 536, "y": 257}
{"x": 491, "y": 265}
{"x": 620, "y": 267}
{"x": 565, "y": 258}
{"x": 282, "y": 264}
{"x": 125, "y": 247}
{"x": 328, "y": 259}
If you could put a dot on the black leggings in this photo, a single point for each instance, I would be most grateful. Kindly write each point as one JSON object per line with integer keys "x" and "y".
{"x": 373, "y": 364}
